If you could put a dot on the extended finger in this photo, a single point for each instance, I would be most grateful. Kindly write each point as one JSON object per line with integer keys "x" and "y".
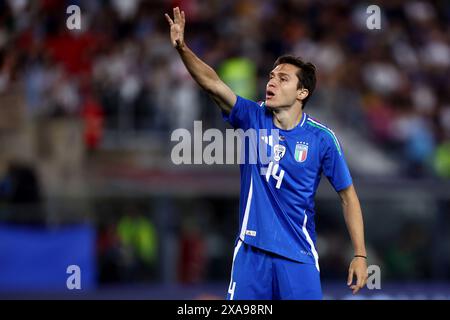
{"x": 360, "y": 280}
{"x": 168, "y": 19}
{"x": 355, "y": 289}
{"x": 350, "y": 277}
{"x": 177, "y": 15}
{"x": 183, "y": 18}
{"x": 365, "y": 277}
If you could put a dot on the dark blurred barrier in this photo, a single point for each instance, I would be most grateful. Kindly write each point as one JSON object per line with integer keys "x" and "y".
{"x": 216, "y": 291}
{"x": 391, "y": 291}
{"x": 407, "y": 228}
{"x": 190, "y": 228}
{"x": 37, "y": 258}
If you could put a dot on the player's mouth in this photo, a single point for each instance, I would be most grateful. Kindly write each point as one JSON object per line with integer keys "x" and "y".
{"x": 269, "y": 94}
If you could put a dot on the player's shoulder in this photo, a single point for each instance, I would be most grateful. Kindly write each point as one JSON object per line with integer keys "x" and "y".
{"x": 316, "y": 126}
{"x": 320, "y": 129}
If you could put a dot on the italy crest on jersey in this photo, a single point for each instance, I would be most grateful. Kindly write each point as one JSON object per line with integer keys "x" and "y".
{"x": 301, "y": 151}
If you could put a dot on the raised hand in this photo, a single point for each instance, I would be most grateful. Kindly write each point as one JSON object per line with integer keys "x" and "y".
{"x": 176, "y": 27}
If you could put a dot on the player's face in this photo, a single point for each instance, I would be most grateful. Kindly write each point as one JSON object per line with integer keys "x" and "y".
{"x": 281, "y": 90}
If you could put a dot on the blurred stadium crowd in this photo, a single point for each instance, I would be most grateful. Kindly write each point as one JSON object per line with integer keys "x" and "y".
{"x": 120, "y": 77}
{"x": 120, "y": 71}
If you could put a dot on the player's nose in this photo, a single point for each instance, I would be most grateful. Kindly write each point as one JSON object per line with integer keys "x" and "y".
{"x": 271, "y": 84}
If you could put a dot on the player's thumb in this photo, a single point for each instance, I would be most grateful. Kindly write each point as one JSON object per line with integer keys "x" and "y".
{"x": 350, "y": 276}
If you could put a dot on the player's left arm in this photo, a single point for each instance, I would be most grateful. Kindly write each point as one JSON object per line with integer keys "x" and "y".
{"x": 355, "y": 225}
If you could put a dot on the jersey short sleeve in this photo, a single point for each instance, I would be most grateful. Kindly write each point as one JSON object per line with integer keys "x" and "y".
{"x": 334, "y": 165}
{"x": 242, "y": 114}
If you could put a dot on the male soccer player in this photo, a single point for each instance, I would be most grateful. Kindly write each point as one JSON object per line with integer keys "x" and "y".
{"x": 275, "y": 255}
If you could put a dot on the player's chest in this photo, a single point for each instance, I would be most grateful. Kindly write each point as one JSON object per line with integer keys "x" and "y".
{"x": 292, "y": 152}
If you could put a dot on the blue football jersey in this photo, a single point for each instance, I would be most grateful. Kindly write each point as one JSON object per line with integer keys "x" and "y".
{"x": 276, "y": 209}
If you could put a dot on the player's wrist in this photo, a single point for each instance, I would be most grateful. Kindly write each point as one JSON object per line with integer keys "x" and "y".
{"x": 180, "y": 46}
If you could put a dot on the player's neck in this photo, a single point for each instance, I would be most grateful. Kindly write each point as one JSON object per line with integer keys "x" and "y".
{"x": 287, "y": 119}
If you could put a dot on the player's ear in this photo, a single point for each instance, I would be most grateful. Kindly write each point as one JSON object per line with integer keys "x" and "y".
{"x": 302, "y": 93}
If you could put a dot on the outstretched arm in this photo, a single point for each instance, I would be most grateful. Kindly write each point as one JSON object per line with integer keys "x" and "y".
{"x": 354, "y": 221}
{"x": 203, "y": 74}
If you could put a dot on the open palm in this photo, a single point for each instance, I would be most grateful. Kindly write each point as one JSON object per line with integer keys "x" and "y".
{"x": 176, "y": 27}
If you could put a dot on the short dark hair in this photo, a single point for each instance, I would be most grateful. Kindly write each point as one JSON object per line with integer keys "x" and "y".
{"x": 306, "y": 75}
